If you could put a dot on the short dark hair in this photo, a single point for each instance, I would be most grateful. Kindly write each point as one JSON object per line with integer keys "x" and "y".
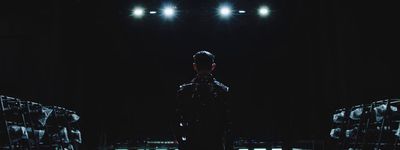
{"x": 203, "y": 60}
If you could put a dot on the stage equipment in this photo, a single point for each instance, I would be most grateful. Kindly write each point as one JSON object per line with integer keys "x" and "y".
{"x": 367, "y": 126}
{"x": 30, "y": 125}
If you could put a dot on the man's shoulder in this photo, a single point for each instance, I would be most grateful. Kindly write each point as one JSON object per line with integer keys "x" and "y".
{"x": 222, "y": 86}
{"x": 186, "y": 86}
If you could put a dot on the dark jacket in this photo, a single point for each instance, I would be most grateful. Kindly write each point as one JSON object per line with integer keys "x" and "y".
{"x": 203, "y": 120}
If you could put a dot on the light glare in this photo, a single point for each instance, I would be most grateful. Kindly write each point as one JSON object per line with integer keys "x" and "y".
{"x": 138, "y": 12}
{"x": 169, "y": 11}
{"x": 225, "y": 11}
{"x": 263, "y": 11}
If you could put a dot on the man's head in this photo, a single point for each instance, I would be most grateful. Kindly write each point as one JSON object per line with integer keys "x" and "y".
{"x": 203, "y": 62}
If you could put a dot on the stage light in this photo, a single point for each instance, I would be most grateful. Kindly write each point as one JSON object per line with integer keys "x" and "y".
{"x": 152, "y": 12}
{"x": 225, "y": 11}
{"x": 260, "y": 149}
{"x": 138, "y": 12}
{"x": 242, "y": 11}
{"x": 263, "y": 11}
{"x": 169, "y": 11}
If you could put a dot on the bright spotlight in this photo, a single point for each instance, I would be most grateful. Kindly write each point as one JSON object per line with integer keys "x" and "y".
{"x": 138, "y": 12}
{"x": 263, "y": 11}
{"x": 225, "y": 11}
{"x": 169, "y": 11}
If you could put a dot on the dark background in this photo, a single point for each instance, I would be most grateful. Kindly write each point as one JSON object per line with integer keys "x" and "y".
{"x": 287, "y": 72}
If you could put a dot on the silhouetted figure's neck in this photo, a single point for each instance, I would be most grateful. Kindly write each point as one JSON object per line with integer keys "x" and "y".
{"x": 203, "y": 78}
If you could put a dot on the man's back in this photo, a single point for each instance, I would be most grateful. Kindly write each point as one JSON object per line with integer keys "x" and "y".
{"x": 203, "y": 115}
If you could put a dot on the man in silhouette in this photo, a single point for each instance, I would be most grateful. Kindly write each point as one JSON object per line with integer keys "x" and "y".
{"x": 203, "y": 112}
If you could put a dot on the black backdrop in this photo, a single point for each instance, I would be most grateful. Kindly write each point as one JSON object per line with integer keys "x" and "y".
{"x": 287, "y": 72}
